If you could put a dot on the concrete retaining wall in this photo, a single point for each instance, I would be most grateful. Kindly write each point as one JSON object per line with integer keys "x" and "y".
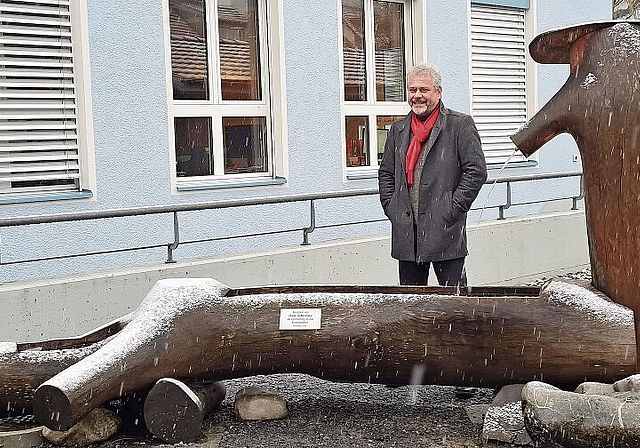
{"x": 501, "y": 252}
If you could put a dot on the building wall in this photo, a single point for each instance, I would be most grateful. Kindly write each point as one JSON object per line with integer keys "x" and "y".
{"x": 127, "y": 61}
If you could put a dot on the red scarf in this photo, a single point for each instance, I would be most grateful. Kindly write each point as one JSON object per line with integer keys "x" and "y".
{"x": 420, "y": 133}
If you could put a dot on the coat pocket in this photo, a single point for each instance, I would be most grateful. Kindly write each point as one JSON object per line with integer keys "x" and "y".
{"x": 449, "y": 216}
{"x": 389, "y": 206}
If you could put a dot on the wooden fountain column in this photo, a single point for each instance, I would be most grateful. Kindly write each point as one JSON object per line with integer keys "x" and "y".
{"x": 599, "y": 105}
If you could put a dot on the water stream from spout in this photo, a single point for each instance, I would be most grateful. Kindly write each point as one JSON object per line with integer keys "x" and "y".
{"x": 486, "y": 201}
{"x": 493, "y": 186}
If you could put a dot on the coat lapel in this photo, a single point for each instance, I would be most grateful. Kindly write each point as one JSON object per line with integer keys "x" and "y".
{"x": 435, "y": 131}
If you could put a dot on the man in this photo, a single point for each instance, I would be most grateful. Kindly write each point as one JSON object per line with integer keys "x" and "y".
{"x": 432, "y": 170}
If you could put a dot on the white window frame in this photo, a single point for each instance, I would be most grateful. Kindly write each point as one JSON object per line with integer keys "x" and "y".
{"x": 499, "y": 110}
{"x": 372, "y": 108}
{"x": 81, "y": 163}
{"x": 272, "y": 105}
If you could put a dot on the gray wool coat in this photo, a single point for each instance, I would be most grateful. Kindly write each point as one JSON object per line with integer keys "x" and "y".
{"x": 453, "y": 174}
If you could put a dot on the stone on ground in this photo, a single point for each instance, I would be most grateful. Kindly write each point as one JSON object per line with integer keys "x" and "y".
{"x": 510, "y": 393}
{"x": 504, "y": 421}
{"x": 628, "y": 384}
{"x": 255, "y": 403}
{"x": 555, "y": 417}
{"x": 594, "y": 388}
{"x": 97, "y": 426}
{"x": 24, "y": 438}
{"x": 476, "y": 413}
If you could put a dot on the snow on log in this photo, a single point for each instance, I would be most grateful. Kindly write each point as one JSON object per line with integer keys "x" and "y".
{"x": 25, "y": 366}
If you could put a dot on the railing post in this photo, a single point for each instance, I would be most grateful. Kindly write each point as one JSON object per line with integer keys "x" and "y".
{"x": 306, "y": 231}
{"x": 502, "y": 208}
{"x": 176, "y": 240}
{"x": 580, "y": 196}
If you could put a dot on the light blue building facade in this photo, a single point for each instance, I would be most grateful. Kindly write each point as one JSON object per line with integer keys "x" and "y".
{"x": 126, "y": 104}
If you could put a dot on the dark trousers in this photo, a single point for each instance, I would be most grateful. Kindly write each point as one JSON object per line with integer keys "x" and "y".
{"x": 448, "y": 272}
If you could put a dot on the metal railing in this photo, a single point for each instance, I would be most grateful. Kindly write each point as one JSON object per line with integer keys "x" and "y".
{"x": 175, "y": 209}
{"x": 510, "y": 180}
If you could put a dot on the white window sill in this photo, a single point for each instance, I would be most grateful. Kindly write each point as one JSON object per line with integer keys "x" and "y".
{"x": 45, "y": 197}
{"x": 370, "y": 173}
{"x": 235, "y": 183}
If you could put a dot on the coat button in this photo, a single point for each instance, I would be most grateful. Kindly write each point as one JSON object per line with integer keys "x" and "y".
{"x": 408, "y": 214}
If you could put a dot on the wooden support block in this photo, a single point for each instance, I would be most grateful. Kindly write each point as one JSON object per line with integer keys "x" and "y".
{"x": 174, "y": 411}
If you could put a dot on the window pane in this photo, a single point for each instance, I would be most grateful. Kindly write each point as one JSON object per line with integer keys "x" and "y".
{"x": 389, "y": 38}
{"x": 353, "y": 50}
{"x": 245, "y": 148}
{"x": 383, "y": 124}
{"x": 193, "y": 147}
{"x": 239, "y": 49}
{"x": 188, "y": 49}
{"x": 357, "y": 144}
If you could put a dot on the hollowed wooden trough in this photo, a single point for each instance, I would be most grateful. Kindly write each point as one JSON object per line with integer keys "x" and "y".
{"x": 193, "y": 329}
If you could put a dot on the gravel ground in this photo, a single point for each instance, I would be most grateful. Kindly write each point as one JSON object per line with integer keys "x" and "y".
{"x": 333, "y": 415}
{"x": 340, "y": 415}
{"x": 329, "y": 415}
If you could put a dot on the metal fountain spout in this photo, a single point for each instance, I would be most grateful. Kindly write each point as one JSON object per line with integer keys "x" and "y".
{"x": 599, "y": 105}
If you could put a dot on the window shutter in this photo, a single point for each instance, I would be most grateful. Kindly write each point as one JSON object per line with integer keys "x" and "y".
{"x": 498, "y": 76}
{"x": 38, "y": 138}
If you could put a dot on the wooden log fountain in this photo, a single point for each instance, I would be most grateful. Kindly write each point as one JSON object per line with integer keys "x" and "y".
{"x": 193, "y": 329}
{"x": 599, "y": 105}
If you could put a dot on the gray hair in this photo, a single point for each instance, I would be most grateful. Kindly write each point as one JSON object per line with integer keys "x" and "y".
{"x": 426, "y": 69}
